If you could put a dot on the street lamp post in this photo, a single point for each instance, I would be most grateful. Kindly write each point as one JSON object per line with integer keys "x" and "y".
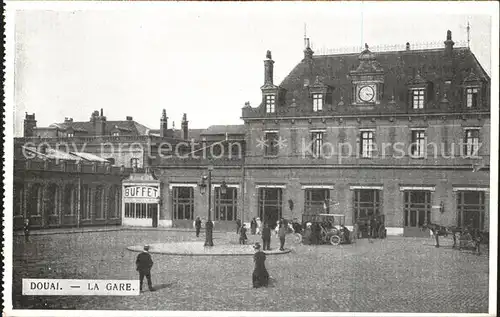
{"x": 209, "y": 225}
{"x": 206, "y": 181}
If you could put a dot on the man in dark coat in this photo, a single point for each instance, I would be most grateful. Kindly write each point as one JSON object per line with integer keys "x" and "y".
{"x": 266, "y": 237}
{"x": 144, "y": 263}
{"x": 197, "y": 226}
{"x": 282, "y": 234}
{"x": 243, "y": 234}
{"x": 253, "y": 226}
{"x": 238, "y": 225}
{"x": 260, "y": 277}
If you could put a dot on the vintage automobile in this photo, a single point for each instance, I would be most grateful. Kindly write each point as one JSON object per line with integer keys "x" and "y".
{"x": 331, "y": 228}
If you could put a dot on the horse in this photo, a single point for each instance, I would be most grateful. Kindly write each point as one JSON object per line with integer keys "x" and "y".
{"x": 467, "y": 234}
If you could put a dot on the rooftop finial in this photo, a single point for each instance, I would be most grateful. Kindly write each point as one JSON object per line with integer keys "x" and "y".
{"x": 448, "y": 35}
{"x": 366, "y": 46}
{"x": 268, "y": 55}
{"x": 164, "y": 114}
{"x": 468, "y": 34}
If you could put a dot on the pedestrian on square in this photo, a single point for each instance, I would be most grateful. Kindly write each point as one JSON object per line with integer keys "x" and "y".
{"x": 355, "y": 229}
{"x": 143, "y": 264}
{"x": 259, "y": 225}
{"x": 260, "y": 276}
{"x": 27, "y": 230}
{"x": 238, "y": 226}
{"x": 282, "y": 235}
{"x": 197, "y": 226}
{"x": 243, "y": 234}
{"x": 253, "y": 225}
{"x": 307, "y": 234}
{"x": 266, "y": 237}
{"x": 277, "y": 228}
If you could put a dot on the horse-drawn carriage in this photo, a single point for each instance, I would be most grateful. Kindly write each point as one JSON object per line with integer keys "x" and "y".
{"x": 463, "y": 238}
{"x": 322, "y": 228}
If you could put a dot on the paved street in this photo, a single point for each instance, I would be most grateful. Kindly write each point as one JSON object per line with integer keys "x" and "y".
{"x": 397, "y": 274}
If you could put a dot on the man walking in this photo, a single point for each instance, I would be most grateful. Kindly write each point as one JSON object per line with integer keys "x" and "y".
{"x": 266, "y": 237}
{"x": 282, "y": 235}
{"x": 238, "y": 226}
{"x": 144, "y": 263}
{"x": 197, "y": 226}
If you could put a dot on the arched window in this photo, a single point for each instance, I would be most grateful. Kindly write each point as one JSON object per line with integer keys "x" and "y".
{"x": 53, "y": 201}
{"x": 18, "y": 199}
{"x": 34, "y": 201}
{"x": 69, "y": 203}
{"x": 99, "y": 202}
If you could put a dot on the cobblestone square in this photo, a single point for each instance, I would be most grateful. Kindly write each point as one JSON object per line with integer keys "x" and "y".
{"x": 392, "y": 275}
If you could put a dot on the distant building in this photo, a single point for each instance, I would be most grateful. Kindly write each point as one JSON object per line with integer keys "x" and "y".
{"x": 403, "y": 136}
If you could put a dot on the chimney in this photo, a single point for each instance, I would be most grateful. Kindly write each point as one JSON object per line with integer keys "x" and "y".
{"x": 29, "y": 125}
{"x": 184, "y": 126}
{"x": 129, "y": 118}
{"x": 268, "y": 69}
{"x": 99, "y": 122}
{"x": 68, "y": 120}
{"x": 448, "y": 45}
{"x": 163, "y": 124}
{"x": 308, "y": 52}
{"x": 407, "y": 46}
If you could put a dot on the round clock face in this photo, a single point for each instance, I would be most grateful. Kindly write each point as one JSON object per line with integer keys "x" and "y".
{"x": 366, "y": 93}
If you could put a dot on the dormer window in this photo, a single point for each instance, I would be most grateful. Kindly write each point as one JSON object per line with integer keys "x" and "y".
{"x": 70, "y": 135}
{"x": 116, "y": 133}
{"x": 472, "y": 97}
{"x": 418, "y": 98}
{"x": 270, "y": 103}
{"x": 317, "y": 102}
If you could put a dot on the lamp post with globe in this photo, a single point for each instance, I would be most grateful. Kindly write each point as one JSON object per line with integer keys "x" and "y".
{"x": 206, "y": 181}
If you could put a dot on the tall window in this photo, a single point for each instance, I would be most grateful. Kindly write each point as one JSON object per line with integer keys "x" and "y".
{"x": 472, "y": 97}
{"x": 418, "y": 143}
{"x": 226, "y": 205}
{"x": 116, "y": 133}
{"x": 315, "y": 200}
{"x": 183, "y": 203}
{"x": 113, "y": 202}
{"x": 69, "y": 200}
{"x": 417, "y": 208}
{"x": 35, "y": 200}
{"x": 270, "y": 104}
{"x": 272, "y": 147}
{"x": 138, "y": 210}
{"x": 471, "y": 142}
{"x": 471, "y": 209}
{"x": 134, "y": 162}
{"x": 18, "y": 199}
{"x": 99, "y": 202}
{"x": 367, "y": 142}
{"x": 87, "y": 198}
{"x": 366, "y": 204}
{"x": 270, "y": 205}
{"x": 317, "y": 102}
{"x": 418, "y": 98}
{"x": 317, "y": 143}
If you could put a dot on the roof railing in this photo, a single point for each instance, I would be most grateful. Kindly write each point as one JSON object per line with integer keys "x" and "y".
{"x": 386, "y": 48}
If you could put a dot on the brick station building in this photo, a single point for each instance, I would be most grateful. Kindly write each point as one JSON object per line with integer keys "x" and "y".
{"x": 403, "y": 134}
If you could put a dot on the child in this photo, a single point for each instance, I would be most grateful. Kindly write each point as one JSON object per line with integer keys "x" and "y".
{"x": 243, "y": 234}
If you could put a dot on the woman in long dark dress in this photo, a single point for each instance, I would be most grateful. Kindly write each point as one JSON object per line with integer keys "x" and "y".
{"x": 260, "y": 277}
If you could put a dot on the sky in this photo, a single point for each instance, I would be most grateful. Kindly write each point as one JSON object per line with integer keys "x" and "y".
{"x": 202, "y": 59}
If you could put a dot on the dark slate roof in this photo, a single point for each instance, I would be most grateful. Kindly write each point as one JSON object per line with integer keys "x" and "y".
{"x": 399, "y": 67}
{"x": 223, "y": 129}
{"x": 127, "y": 126}
{"x": 177, "y": 134}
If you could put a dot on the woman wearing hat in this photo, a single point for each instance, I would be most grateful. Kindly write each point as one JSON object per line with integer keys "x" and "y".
{"x": 260, "y": 277}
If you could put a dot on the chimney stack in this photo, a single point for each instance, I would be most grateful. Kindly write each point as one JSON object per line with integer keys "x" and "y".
{"x": 163, "y": 124}
{"x": 268, "y": 69}
{"x": 129, "y": 118}
{"x": 68, "y": 120}
{"x": 184, "y": 126}
{"x": 29, "y": 125}
{"x": 98, "y": 122}
{"x": 308, "y": 52}
{"x": 448, "y": 45}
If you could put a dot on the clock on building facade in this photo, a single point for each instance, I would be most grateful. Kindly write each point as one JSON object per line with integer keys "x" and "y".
{"x": 366, "y": 93}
